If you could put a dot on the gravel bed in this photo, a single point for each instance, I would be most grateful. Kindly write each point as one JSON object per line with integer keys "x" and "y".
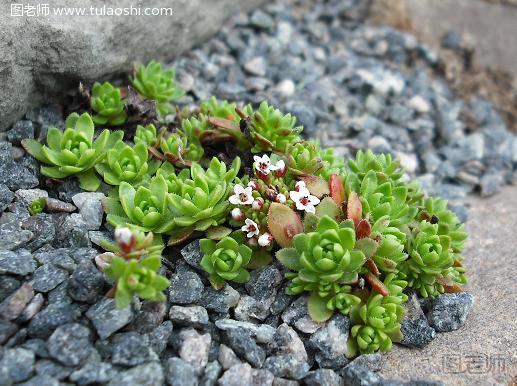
{"x": 352, "y": 85}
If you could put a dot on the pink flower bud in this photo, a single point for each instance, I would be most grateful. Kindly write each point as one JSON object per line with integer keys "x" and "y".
{"x": 265, "y": 239}
{"x": 281, "y": 198}
{"x": 257, "y": 204}
{"x": 237, "y": 214}
{"x": 253, "y": 185}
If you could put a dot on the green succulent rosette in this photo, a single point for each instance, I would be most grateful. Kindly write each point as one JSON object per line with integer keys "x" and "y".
{"x": 126, "y": 164}
{"x": 303, "y": 158}
{"x": 146, "y": 135}
{"x": 430, "y": 265}
{"x": 144, "y": 207}
{"x": 376, "y": 325}
{"x": 74, "y": 151}
{"x": 225, "y": 260}
{"x": 152, "y": 82}
{"x": 178, "y": 149}
{"x": 384, "y": 166}
{"x": 222, "y": 109}
{"x": 198, "y": 198}
{"x": 107, "y": 104}
{"x": 37, "y": 206}
{"x": 271, "y": 130}
{"x": 333, "y": 164}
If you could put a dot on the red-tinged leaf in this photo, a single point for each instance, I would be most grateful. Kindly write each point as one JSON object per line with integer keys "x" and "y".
{"x": 453, "y": 288}
{"x": 283, "y": 223}
{"x": 363, "y": 229}
{"x": 372, "y": 267}
{"x": 354, "y": 209}
{"x": 223, "y": 123}
{"x": 458, "y": 263}
{"x": 337, "y": 191}
{"x": 111, "y": 292}
{"x": 155, "y": 153}
{"x": 377, "y": 285}
{"x": 317, "y": 186}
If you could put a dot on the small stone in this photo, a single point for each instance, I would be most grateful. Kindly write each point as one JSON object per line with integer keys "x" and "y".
{"x": 336, "y": 363}
{"x": 131, "y": 349}
{"x": 17, "y": 364}
{"x": 21, "y": 130}
{"x": 15, "y": 176}
{"x": 287, "y": 341}
{"x": 249, "y": 309}
{"x": 263, "y": 282}
{"x": 229, "y": 91}
{"x": 227, "y": 357}
{"x": 54, "y": 205}
{"x": 241, "y": 342}
{"x": 419, "y": 104}
{"x": 94, "y": 373}
{"x": 8, "y": 285}
{"x": 107, "y": 319}
{"x": 372, "y": 362}
{"x": 192, "y": 254}
{"x": 448, "y": 312}
{"x": 13, "y": 237}
{"x": 7, "y": 329}
{"x": 48, "y": 277}
{"x": 237, "y": 375}
{"x": 263, "y": 333}
{"x": 331, "y": 339}
{"x": 287, "y": 366}
{"x": 41, "y": 380}
{"x": 256, "y": 66}
{"x": 159, "y": 337}
{"x": 194, "y": 348}
{"x": 54, "y": 315}
{"x": 296, "y": 315}
{"x": 86, "y": 283}
{"x": 90, "y": 208}
{"x": 13, "y": 306}
{"x": 322, "y": 377}
{"x": 262, "y": 20}
{"x": 149, "y": 317}
{"x": 219, "y": 301}
{"x": 262, "y": 377}
{"x": 6, "y": 197}
{"x": 414, "y": 326}
{"x": 211, "y": 374}
{"x": 194, "y": 316}
{"x": 180, "y": 373}
{"x": 32, "y": 308}
{"x": 186, "y": 287}
{"x": 59, "y": 257}
{"x": 42, "y": 228}
{"x": 28, "y": 196}
{"x": 284, "y": 382}
{"x": 356, "y": 375}
{"x": 19, "y": 262}
{"x": 408, "y": 161}
{"x": 52, "y": 369}
{"x": 70, "y": 344}
{"x": 286, "y": 88}
{"x": 490, "y": 184}
{"x": 149, "y": 374}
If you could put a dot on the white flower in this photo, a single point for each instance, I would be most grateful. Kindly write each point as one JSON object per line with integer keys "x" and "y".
{"x": 251, "y": 227}
{"x": 281, "y": 198}
{"x": 299, "y": 185}
{"x": 304, "y": 200}
{"x": 123, "y": 236}
{"x": 265, "y": 239}
{"x": 237, "y": 214}
{"x": 242, "y": 196}
{"x": 279, "y": 168}
{"x": 263, "y": 164}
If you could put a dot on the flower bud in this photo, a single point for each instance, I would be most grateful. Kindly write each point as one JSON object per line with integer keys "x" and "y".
{"x": 125, "y": 239}
{"x": 237, "y": 214}
{"x": 104, "y": 259}
{"x": 252, "y": 242}
{"x": 280, "y": 168}
{"x": 258, "y": 204}
{"x": 270, "y": 193}
{"x": 253, "y": 185}
{"x": 265, "y": 239}
{"x": 280, "y": 197}
{"x": 299, "y": 185}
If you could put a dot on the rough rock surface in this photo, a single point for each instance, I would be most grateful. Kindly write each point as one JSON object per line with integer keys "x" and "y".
{"x": 30, "y": 76}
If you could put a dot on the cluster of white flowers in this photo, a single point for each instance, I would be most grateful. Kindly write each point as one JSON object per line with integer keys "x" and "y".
{"x": 301, "y": 196}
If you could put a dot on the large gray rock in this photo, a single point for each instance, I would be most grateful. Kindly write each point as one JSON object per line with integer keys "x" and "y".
{"x": 44, "y": 56}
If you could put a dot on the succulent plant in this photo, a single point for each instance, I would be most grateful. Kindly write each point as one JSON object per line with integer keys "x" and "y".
{"x": 334, "y": 164}
{"x": 126, "y": 163}
{"x": 222, "y": 109}
{"x": 144, "y": 207}
{"x": 377, "y": 324}
{"x": 134, "y": 266}
{"x": 146, "y": 135}
{"x": 225, "y": 260}
{"x": 384, "y": 166}
{"x": 271, "y": 130}
{"x": 108, "y": 105}
{"x": 154, "y": 83}
{"x": 303, "y": 158}
{"x": 321, "y": 258}
{"x": 37, "y": 206}
{"x": 198, "y": 198}
{"x": 73, "y": 152}
{"x": 178, "y": 150}
{"x": 430, "y": 265}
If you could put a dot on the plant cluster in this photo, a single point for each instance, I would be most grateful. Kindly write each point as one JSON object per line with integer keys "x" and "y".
{"x": 355, "y": 236}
